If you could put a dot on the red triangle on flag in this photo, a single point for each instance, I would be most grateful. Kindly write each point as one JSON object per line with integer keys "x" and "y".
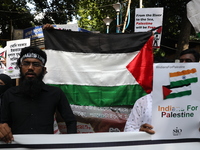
{"x": 141, "y": 67}
{"x": 159, "y": 30}
{"x": 166, "y": 92}
{"x": 1, "y": 54}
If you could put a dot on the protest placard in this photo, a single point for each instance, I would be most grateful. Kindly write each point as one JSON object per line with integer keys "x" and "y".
{"x": 13, "y": 51}
{"x": 176, "y": 105}
{"x": 147, "y": 19}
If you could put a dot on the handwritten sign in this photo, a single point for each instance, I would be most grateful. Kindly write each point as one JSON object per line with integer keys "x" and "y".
{"x": 13, "y": 52}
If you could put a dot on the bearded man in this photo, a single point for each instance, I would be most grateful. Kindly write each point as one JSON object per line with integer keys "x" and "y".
{"x": 30, "y": 107}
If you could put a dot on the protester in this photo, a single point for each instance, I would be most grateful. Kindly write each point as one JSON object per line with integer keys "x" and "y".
{"x": 5, "y": 84}
{"x": 30, "y": 107}
{"x": 141, "y": 114}
{"x": 189, "y": 55}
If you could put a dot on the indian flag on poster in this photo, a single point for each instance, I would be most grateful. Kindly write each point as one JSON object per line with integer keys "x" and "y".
{"x": 101, "y": 74}
{"x": 180, "y": 83}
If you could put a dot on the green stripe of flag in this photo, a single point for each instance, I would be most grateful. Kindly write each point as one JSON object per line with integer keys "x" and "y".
{"x": 183, "y": 82}
{"x": 179, "y": 94}
{"x": 102, "y": 96}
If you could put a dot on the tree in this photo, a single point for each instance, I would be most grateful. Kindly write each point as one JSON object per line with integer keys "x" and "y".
{"x": 90, "y": 15}
{"x": 16, "y": 14}
{"x": 55, "y": 11}
{"x": 175, "y": 22}
{"x": 92, "y": 12}
{"x": 13, "y": 14}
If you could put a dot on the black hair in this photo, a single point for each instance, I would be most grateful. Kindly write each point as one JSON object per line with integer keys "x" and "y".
{"x": 6, "y": 79}
{"x": 193, "y": 52}
{"x": 32, "y": 49}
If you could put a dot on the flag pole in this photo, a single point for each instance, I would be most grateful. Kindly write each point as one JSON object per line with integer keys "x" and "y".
{"x": 140, "y": 3}
{"x": 127, "y": 13}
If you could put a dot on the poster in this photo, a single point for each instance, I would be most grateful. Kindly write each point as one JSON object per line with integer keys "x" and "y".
{"x": 147, "y": 19}
{"x": 2, "y": 58}
{"x": 13, "y": 52}
{"x": 176, "y": 104}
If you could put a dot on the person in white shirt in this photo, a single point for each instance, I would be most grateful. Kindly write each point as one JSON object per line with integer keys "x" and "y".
{"x": 140, "y": 116}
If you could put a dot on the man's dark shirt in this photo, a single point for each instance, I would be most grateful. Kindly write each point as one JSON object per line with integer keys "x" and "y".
{"x": 26, "y": 115}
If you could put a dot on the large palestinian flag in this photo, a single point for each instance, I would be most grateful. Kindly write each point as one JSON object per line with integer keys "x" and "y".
{"x": 102, "y": 75}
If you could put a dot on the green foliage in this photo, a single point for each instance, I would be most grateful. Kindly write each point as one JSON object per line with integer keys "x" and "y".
{"x": 16, "y": 14}
{"x": 55, "y": 11}
{"x": 159, "y": 52}
{"x": 13, "y": 13}
{"x": 92, "y": 12}
{"x": 173, "y": 14}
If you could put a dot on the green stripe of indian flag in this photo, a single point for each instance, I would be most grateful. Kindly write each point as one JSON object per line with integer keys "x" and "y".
{"x": 179, "y": 92}
{"x": 183, "y": 80}
{"x": 93, "y": 79}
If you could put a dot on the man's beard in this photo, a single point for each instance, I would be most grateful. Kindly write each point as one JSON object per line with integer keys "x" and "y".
{"x": 31, "y": 86}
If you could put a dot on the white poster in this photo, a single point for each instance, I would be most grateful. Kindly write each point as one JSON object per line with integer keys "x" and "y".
{"x": 176, "y": 104}
{"x": 72, "y": 27}
{"x": 2, "y": 59}
{"x": 13, "y": 51}
{"x": 147, "y": 19}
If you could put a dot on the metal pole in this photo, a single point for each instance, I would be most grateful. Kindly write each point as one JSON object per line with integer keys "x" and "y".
{"x": 127, "y": 13}
{"x": 117, "y": 30}
{"x": 140, "y": 3}
{"x": 107, "y": 29}
{"x": 11, "y": 29}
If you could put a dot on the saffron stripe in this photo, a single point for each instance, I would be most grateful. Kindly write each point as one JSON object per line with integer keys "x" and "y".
{"x": 181, "y": 73}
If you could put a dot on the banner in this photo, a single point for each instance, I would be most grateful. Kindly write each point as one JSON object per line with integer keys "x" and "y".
{"x": 176, "y": 105}
{"x": 102, "y": 75}
{"x": 98, "y": 141}
{"x": 13, "y": 51}
{"x": 147, "y": 19}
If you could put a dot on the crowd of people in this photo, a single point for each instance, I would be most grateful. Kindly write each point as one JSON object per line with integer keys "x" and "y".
{"x": 36, "y": 103}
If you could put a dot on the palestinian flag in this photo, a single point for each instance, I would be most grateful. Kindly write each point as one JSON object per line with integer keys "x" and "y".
{"x": 180, "y": 83}
{"x": 101, "y": 74}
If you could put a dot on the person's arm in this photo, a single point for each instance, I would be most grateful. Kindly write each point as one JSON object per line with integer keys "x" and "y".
{"x": 67, "y": 114}
{"x": 5, "y": 130}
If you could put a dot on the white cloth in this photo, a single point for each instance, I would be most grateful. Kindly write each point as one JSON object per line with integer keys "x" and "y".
{"x": 140, "y": 114}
